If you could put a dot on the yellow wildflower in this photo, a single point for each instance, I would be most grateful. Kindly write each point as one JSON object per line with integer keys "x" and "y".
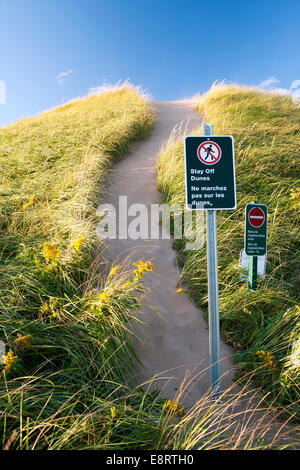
{"x": 48, "y": 309}
{"x": 103, "y": 297}
{"x": 114, "y": 270}
{"x": 295, "y": 193}
{"x": 127, "y": 284}
{"x": 269, "y": 360}
{"x": 272, "y": 364}
{"x": 51, "y": 251}
{"x": 31, "y": 201}
{"x": 113, "y": 412}
{"x": 22, "y": 342}
{"x": 9, "y": 360}
{"x": 295, "y": 196}
{"x": 298, "y": 307}
{"x": 174, "y": 408}
{"x": 180, "y": 291}
{"x": 261, "y": 354}
{"x": 143, "y": 267}
{"x": 77, "y": 244}
{"x": 51, "y": 269}
{"x": 45, "y": 309}
{"x": 148, "y": 266}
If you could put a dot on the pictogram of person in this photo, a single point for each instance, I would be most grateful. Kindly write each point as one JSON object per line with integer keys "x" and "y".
{"x": 209, "y": 150}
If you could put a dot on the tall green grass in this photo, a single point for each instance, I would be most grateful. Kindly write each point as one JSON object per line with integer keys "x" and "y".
{"x": 266, "y": 129}
{"x": 64, "y": 325}
{"x": 70, "y": 383}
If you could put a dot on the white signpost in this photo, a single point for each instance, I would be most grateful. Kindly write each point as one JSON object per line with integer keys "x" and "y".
{"x": 212, "y": 160}
{"x": 244, "y": 263}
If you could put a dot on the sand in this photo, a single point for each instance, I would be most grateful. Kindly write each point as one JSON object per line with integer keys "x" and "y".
{"x": 173, "y": 341}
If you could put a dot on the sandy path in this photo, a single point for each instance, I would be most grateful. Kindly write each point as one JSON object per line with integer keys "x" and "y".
{"x": 178, "y": 343}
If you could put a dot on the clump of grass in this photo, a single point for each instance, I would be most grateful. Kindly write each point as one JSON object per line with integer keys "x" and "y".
{"x": 266, "y": 129}
{"x": 52, "y": 166}
{"x": 64, "y": 324}
{"x": 237, "y": 420}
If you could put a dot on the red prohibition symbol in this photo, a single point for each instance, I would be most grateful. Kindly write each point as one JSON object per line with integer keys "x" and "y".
{"x": 209, "y": 152}
{"x": 256, "y": 217}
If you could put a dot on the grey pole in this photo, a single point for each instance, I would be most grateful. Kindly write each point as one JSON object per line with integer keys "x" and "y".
{"x": 213, "y": 292}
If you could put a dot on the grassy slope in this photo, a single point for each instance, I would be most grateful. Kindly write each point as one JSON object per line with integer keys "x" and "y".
{"x": 266, "y": 129}
{"x": 68, "y": 387}
{"x": 71, "y": 363}
{"x": 60, "y": 158}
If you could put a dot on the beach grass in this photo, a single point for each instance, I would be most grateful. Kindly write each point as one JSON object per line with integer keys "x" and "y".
{"x": 63, "y": 319}
{"x": 67, "y": 379}
{"x": 262, "y": 326}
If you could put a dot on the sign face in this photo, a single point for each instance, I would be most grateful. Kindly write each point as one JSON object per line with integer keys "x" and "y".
{"x": 256, "y": 217}
{"x": 209, "y": 172}
{"x": 256, "y": 229}
{"x": 209, "y": 153}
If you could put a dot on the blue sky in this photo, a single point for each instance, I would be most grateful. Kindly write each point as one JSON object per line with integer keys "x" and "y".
{"x": 54, "y": 50}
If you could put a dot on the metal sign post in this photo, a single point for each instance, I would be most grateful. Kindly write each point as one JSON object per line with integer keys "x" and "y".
{"x": 210, "y": 186}
{"x": 213, "y": 292}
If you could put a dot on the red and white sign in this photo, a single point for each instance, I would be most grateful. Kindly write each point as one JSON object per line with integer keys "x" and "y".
{"x": 256, "y": 217}
{"x": 209, "y": 152}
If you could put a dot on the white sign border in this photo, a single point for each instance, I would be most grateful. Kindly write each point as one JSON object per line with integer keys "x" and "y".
{"x": 266, "y": 221}
{"x": 185, "y": 171}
